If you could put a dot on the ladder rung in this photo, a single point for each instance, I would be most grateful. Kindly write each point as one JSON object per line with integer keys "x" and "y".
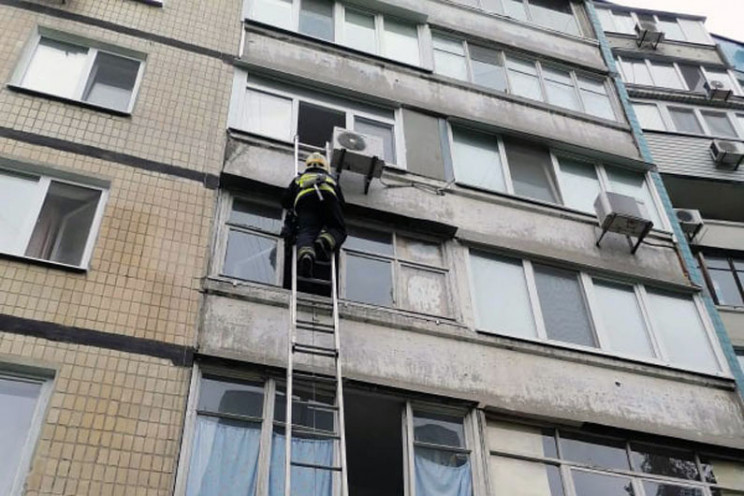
{"x": 315, "y": 303}
{"x": 314, "y": 432}
{"x": 315, "y": 405}
{"x": 312, "y": 280}
{"x": 317, "y": 467}
{"x": 309, "y": 377}
{"x": 316, "y": 326}
{"x": 310, "y": 349}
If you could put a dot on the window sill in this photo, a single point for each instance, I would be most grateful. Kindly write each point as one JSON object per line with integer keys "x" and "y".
{"x": 78, "y": 103}
{"x": 730, "y": 309}
{"x": 50, "y": 264}
{"x": 152, "y": 3}
{"x": 698, "y": 136}
{"x": 682, "y": 96}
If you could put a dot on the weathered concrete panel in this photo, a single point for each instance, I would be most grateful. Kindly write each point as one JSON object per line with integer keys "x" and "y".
{"x": 499, "y": 373}
{"x": 697, "y": 53}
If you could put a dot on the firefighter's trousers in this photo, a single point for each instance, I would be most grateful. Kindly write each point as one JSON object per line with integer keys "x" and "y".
{"x": 316, "y": 217}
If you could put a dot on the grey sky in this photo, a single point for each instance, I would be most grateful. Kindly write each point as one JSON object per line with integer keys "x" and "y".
{"x": 725, "y": 17}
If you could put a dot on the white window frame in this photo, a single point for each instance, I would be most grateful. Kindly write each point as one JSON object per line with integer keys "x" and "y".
{"x": 650, "y": 65}
{"x": 46, "y": 380}
{"x": 531, "y": 20}
{"x": 45, "y": 180}
{"x": 243, "y": 82}
{"x": 555, "y": 156}
{"x": 93, "y": 47}
{"x": 666, "y": 117}
{"x": 634, "y": 16}
{"x": 586, "y": 284}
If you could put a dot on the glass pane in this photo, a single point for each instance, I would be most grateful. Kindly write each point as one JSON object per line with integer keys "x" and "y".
{"x": 359, "y": 31}
{"x": 450, "y": 64}
{"x": 724, "y": 285}
{"x": 369, "y": 281}
{"x": 605, "y": 18}
{"x": 531, "y": 170}
{"x": 231, "y": 397}
{"x": 369, "y": 241}
{"x": 636, "y": 72}
{"x": 433, "y": 428}
{"x": 256, "y": 215}
{"x": 449, "y": 45}
{"x": 500, "y": 296}
{"x": 111, "y": 81}
{"x": 677, "y": 322}
{"x": 64, "y": 223}
{"x": 597, "y": 452}
{"x": 441, "y": 472}
{"x": 512, "y": 477}
{"x": 563, "y": 308}
{"x": 665, "y": 75}
{"x": 268, "y": 114}
{"x": 523, "y": 79}
{"x": 596, "y": 100}
{"x": 314, "y": 415}
{"x": 622, "y": 319}
{"x": 521, "y": 439}
{"x": 401, "y": 42}
{"x": 659, "y": 489}
{"x": 476, "y": 160}
{"x": 560, "y": 89}
{"x": 17, "y": 200}
{"x": 424, "y": 291}
{"x": 488, "y": 70}
{"x": 17, "y": 406}
{"x": 275, "y": 12}
{"x": 554, "y": 14}
{"x": 56, "y": 68}
{"x": 515, "y": 9}
{"x": 316, "y": 18}
{"x": 634, "y": 184}
{"x": 250, "y": 257}
{"x": 671, "y": 29}
{"x": 719, "y": 124}
{"x": 315, "y": 124}
{"x": 694, "y": 30}
{"x": 381, "y": 130}
{"x": 727, "y": 473}
{"x": 717, "y": 262}
{"x": 593, "y": 484}
{"x": 685, "y": 121}
{"x": 693, "y": 76}
{"x": 624, "y": 22}
{"x": 579, "y": 184}
{"x": 420, "y": 251}
{"x": 660, "y": 461}
{"x": 649, "y": 116}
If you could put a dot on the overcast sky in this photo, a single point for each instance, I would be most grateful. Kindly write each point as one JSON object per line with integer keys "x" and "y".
{"x": 725, "y": 17}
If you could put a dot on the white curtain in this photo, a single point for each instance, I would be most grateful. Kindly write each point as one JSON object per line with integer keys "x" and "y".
{"x": 437, "y": 476}
{"x": 224, "y": 460}
{"x": 305, "y": 481}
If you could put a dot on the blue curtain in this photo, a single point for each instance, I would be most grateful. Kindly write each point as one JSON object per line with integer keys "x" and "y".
{"x": 436, "y": 475}
{"x": 224, "y": 458}
{"x": 305, "y": 481}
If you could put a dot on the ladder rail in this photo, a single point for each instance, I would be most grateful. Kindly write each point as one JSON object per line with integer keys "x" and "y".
{"x": 339, "y": 382}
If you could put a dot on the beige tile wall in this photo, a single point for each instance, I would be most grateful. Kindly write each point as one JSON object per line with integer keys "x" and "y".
{"x": 113, "y": 422}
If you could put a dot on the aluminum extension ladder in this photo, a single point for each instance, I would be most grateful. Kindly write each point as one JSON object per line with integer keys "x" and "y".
{"x": 315, "y": 335}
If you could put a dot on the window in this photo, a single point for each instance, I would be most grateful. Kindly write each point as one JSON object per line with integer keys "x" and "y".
{"x": 105, "y": 78}
{"x": 526, "y": 169}
{"x": 369, "y": 32}
{"x": 390, "y": 269}
{"x": 552, "y": 14}
{"x": 719, "y": 124}
{"x": 706, "y": 122}
{"x": 22, "y": 401}
{"x": 498, "y": 71}
{"x": 674, "y": 28}
{"x": 250, "y": 242}
{"x": 526, "y": 458}
{"x": 672, "y": 75}
{"x": 740, "y": 358}
{"x": 649, "y": 116}
{"x": 726, "y": 279}
{"x": 685, "y": 121}
{"x": 528, "y": 300}
{"x": 279, "y": 111}
{"x": 53, "y": 220}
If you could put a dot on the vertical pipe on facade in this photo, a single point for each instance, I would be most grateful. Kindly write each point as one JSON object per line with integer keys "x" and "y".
{"x": 684, "y": 247}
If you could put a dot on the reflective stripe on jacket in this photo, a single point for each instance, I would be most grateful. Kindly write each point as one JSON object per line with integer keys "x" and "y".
{"x": 314, "y": 182}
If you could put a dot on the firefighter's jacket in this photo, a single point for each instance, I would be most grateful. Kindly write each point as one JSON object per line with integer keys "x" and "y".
{"x": 314, "y": 181}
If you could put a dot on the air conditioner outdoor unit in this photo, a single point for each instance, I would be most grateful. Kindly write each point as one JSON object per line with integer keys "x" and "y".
{"x": 622, "y": 214}
{"x": 356, "y": 152}
{"x": 727, "y": 154}
{"x": 647, "y": 34}
{"x": 718, "y": 90}
{"x": 690, "y": 221}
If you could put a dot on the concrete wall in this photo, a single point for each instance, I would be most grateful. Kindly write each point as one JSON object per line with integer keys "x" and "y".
{"x": 703, "y": 54}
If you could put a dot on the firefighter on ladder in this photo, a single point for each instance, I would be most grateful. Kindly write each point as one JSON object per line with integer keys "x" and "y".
{"x": 314, "y": 200}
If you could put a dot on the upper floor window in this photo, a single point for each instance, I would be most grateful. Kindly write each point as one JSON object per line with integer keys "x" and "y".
{"x": 674, "y": 28}
{"x": 47, "y": 218}
{"x": 535, "y": 301}
{"x": 281, "y": 111}
{"x": 672, "y": 75}
{"x": 557, "y": 462}
{"x": 690, "y": 120}
{"x": 531, "y": 79}
{"x": 725, "y": 277}
{"x": 511, "y": 166}
{"x": 333, "y": 21}
{"x": 552, "y": 14}
{"x": 58, "y": 65}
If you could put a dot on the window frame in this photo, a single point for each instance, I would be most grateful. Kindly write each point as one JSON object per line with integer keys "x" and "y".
{"x": 46, "y": 379}
{"x": 530, "y": 18}
{"x": 620, "y": 59}
{"x": 93, "y": 47}
{"x": 601, "y": 335}
{"x": 738, "y": 280}
{"x": 664, "y": 108}
{"x": 244, "y": 82}
{"x": 45, "y": 179}
{"x": 656, "y": 17}
{"x": 555, "y": 156}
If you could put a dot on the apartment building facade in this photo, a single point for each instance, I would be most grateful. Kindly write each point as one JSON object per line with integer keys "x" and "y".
{"x": 489, "y": 346}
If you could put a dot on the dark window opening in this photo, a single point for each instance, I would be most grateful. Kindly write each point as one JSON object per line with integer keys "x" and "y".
{"x": 315, "y": 124}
